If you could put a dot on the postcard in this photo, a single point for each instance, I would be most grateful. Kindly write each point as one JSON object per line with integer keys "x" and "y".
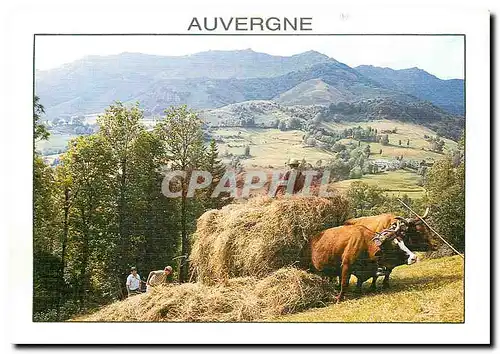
{"x": 277, "y": 175}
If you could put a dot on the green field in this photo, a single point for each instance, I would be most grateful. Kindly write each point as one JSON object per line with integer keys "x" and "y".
{"x": 268, "y": 147}
{"x": 405, "y": 131}
{"x": 55, "y": 142}
{"x": 428, "y": 291}
{"x": 393, "y": 182}
{"x": 272, "y": 148}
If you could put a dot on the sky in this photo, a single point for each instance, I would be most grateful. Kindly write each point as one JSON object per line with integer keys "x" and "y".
{"x": 442, "y": 56}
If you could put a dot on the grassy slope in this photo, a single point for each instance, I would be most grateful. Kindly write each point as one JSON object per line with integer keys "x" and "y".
{"x": 405, "y": 131}
{"x": 393, "y": 182}
{"x": 429, "y": 291}
{"x": 271, "y": 147}
{"x": 55, "y": 141}
{"x": 268, "y": 146}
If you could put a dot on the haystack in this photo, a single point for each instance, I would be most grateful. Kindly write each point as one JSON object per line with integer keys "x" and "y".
{"x": 260, "y": 236}
{"x": 287, "y": 290}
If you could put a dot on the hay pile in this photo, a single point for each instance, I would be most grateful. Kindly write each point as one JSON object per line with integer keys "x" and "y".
{"x": 245, "y": 257}
{"x": 287, "y": 290}
{"x": 260, "y": 236}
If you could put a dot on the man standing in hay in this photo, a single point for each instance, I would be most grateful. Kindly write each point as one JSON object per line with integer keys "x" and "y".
{"x": 298, "y": 180}
{"x": 157, "y": 277}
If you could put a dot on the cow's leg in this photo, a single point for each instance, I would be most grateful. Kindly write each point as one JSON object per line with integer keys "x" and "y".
{"x": 344, "y": 280}
{"x": 373, "y": 286}
{"x": 359, "y": 285}
{"x": 385, "y": 284}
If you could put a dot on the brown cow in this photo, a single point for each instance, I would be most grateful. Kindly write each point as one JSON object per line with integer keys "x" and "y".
{"x": 416, "y": 235}
{"x": 334, "y": 251}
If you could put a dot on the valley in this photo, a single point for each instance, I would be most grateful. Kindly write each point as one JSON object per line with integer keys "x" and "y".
{"x": 263, "y": 110}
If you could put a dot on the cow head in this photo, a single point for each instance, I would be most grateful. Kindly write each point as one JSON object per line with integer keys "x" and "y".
{"x": 395, "y": 249}
{"x": 417, "y": 235}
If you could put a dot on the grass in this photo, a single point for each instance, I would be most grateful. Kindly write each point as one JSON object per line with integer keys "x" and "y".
{"x": 431, "y": 290}
{"x": 273, "y": 148}
{"x": 415, "y": 133}
{"x": 428, "y": 291}
{"x": 393, "y": 182}
{"x": 268, "y": 147}
{"x": 55, "y": 142}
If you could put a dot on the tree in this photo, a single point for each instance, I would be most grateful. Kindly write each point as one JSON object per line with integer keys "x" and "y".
{"x": 364, "y": 199}
{"x": 40, "y": 131}
{"x": 367, "y": 150}
{"x": 399, "y": 142}
{"x": 216, "y": 168}
{"x": 436, "y": 144}
{"x": 247, "y": 151}
{"x": 317, "y": 119}
{"x": 445, "y": 186}
{"x": 384, "y": 140}
{"x": 356, "y": 172}
{"x": 408, "y": 142}
{"x": 380, "y": 152}
{"x": 338, "y": 147}
{"x": 120, "y": 127}
{"x": 47, "y": 286}
{"x": 294, "y": 123}
{"x": 182, "y": 132}
{"x": 87, "y": 183}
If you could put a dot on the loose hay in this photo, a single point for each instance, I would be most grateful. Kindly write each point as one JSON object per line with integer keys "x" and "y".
{"x": 287, "y": 290}
{"x": 260, "y": 236}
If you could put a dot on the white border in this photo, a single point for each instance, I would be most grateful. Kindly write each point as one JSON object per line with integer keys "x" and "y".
{"x": 162, "y": 17}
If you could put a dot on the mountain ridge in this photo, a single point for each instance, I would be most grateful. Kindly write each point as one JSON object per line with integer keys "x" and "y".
{"x": 213, "y": 79}
{"x": 447, "y": 94}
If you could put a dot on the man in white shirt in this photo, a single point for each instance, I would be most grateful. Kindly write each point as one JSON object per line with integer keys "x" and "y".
{"x": 157, "y": 277}
{"x": 133, "y": 282}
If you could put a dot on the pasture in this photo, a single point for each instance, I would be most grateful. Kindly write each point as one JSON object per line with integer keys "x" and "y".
{"x": 268, "y": 147}
{"x": 394, "y": 183}
{"x": 55, "y": 142}
{"x": 431, "y": 290}
{"x": 418, "y": 148}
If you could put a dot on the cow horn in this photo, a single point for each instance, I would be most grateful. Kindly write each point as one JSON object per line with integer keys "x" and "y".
{"x": 426, "y": 213}
{"x": 400, "y": 218}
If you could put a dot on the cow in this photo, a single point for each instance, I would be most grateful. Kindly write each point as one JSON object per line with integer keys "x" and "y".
{"x": 335, "y": 251}
{"x": 417, "y": 236}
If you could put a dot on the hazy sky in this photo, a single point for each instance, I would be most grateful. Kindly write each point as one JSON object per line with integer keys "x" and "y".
{"x": 442, "y": 56}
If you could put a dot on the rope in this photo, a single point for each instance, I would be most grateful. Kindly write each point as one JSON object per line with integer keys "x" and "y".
{"x": 429, "y": 226}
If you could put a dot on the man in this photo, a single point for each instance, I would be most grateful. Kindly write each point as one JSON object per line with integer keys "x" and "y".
{"x": 294, "y": 167}
{"x": 157, "y": 277}
{"x": 133, "y": 282}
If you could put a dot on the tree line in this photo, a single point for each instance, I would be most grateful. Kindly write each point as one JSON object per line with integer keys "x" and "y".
{"x": 101, "y": 210}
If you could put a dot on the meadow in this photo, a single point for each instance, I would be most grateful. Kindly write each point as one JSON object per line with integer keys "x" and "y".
{"x": 431, "y": 290}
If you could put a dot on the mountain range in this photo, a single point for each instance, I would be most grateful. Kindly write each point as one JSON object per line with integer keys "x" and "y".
{"x": 447, "y": 94}
{"x": 214, "y": 79}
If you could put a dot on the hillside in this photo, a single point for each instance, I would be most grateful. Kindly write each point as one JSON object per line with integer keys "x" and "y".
{"x": 92, "y": 83}
{"x": 447, "y": 94}
{"x": 217, "y": 78}
{"x": 274, "y": 147}
{"x": 428, "y": 291}
{"x": 269, "y": 113}
{"x": 156, "y": 93}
